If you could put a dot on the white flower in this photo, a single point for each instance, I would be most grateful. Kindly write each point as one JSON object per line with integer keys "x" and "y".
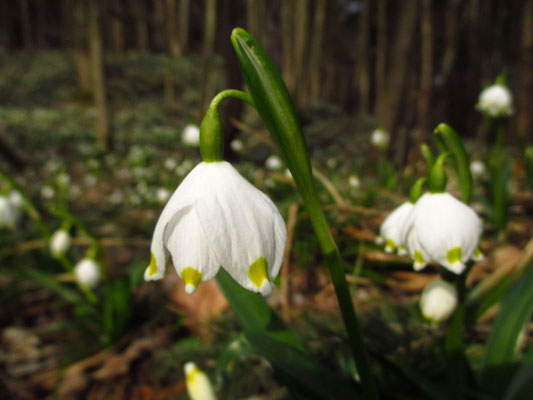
{"x": 47, "y": 192}
{"x": 162, "y": 195}
{"x": 438, "y": 300}
{"x": 9, "y": 213}
{"x": 60, "y": 242}
{"x": 354, "y": 182}
{"x": 273, "y": 163}
{"x": 332, "y": 163}
{"x": 198, "y": 385}
{"x": 16, "y": 199}
{"x": 236, "y": 145}
{"x": 217, "y": 218}
{"x": 87, "y": 272}
{"x": 191, "y": 135}
{"x": 440, "y": 228}
{"x": 380, "y": 138}
{"x": 390, "y": 231}
{"x": 63, "y": 179}
{"x": 477, "y": 169}
{"x": 496, "y": 101}
{"x": 288, "y": 173}
{"x": 170, "y": 164}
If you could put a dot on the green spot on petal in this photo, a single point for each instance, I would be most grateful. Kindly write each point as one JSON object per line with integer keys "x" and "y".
{"x": 152, "y": 268}
{"x": 477, "y": 253}
{"x": 191, "y": 276}
{"x": 454, "y": 255}
{"x": 390, "y": 243}
{"x": 258, "y": 271}
{"x": 419, "y": 259}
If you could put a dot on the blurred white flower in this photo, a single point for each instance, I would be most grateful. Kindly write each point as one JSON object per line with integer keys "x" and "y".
{"x": 332, "y": 163}
{"x": 90, "y": 180}
{"x": 477, "y": 169}
{"x": 390, "y": 231}
{"x": 438, "y": 300}
{"x": 217, "y": 218}
{"x": 87, "y": 272}
{"x": 236, "y": 145}
{"x": 47, "y": 192}
{"x": 170, "y": 164}
{"x": 16, "y": 198}
{"x": 440, "y": 228}
{"x": 496, "y": 101}
{"x": 63, "y": 179}
{"x": 273, "y": 163}
{"x": 354, "y": 182}
{"x": 60, "y": 242}
{"x": 288, "y": 173}
{"x": 9, "y": 213}
{"x": 379, "y": 138}
{"x": 198, "y": 385}
{"x": 191, "y": 135}
{"x": 162, "y": 195}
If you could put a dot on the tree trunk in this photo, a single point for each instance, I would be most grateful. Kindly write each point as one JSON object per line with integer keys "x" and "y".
{"x": 363, "y": 71}
{"x": 98, "y": 78}
{"x": 402, "y": 50}
{"x": 159, "y": 25}
{"x": 79, "y": 42}
{"x": 141, "y": 25}
{"x": 208, "y": 54}
{"x": 255, "y": 14}
{"x": 287, "y": 55}
{"x": 424, "y": 120}
{"x": 174, "y": 45}
{"x": 117, "y": 29}
{"x": 453, "y": 14}
{"x": 316, "y": 49}
{"x": 183, "y": 29}
{"x": 525, "y": 101}
{"x": 301, "y": 17}
{"x": 5, "y": 25}
{"x": 26, "y": 24}
{"x": 381, "y": 59}
{"x": 41, "y": 25}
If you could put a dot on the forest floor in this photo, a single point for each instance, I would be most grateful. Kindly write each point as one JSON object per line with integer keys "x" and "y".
{"x": 48, "y": 349}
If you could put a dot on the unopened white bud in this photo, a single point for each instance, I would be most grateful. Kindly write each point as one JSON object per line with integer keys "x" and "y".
{"x": 273, "y": 163}
{"x": 60, "y": 243}
{"x": 191, "y": 135}
{"x": 438, "y": 300}
{"x": 87, "y": 272}
{"x": 236, "y": 145}
{"x": 380, "y": 138}
{"x": 198, "y": 385}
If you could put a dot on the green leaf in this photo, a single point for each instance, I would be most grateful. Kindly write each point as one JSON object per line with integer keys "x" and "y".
{"x": 304, "y": 376}
{"x": 448, "y": 140}
{"x": 521, "y": 386}
{"x": 253, "y": 313}
{"x": 500, "y": 353}
{"x": 117, "y": 309}
{"x": 51, "y": 283}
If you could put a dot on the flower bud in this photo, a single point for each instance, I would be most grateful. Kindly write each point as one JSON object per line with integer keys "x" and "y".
{"x": 273, "y": 163}
{"x": 191, "y": 135}
{"x": 380, "y": 138}
{"x": 198, "y": 385}
{"x": 438, "y": 300}
{"x": 60, "y": 243}
{"x": 87, "y": 272}
{"x": 496, "y": 101}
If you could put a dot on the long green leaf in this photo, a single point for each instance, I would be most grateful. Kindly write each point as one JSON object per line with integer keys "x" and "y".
{"x": 53, "y": 284}
{"x": 500, "y": 353}
{"x": 521, "y": 387}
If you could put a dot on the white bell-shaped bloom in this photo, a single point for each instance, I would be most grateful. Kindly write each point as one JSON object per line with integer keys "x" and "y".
{"x": 162, "y": 195}
{"x": 87, "y": 272}
{"x": 236, "y": 145}
{"x": 198, "y": 385}
{"x": 16, "y": 199}
{"x": 477, "y": 169}
{"x": 273, "y": 163}
{"x": 496, "y": 101}
{"x": 191, "y": 135}
{"x": 438, "y": 300}
{"x": 9, "y": 213}
{"x": 442, "y": 229}
{"x": 217, "y": 218}
{"x": 354, "y": 182}
{"x": 380, "y": 138}
{"x": 60, "y": 242}
{"x": 390, "y": 232}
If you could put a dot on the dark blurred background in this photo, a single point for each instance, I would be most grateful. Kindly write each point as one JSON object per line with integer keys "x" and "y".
{"x": 407, "y": 64}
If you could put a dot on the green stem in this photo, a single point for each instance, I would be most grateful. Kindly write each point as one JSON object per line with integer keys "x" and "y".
{"x": 499, "y": 187}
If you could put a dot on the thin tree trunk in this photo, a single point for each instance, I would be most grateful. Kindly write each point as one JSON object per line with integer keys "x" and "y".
{"x": 141, "y": 25}
{"x": 426, "y": 72}
{"x": 26, "y": 24}
{"x": 117, "y": 29}
{"x": 453, "y": 14}
{"x": 255, "y": 13}
{"x": 98, "y": 78}
{"x": 381, "y": 59}
{"x": 5, "y": 25}
{"x": 174, "y": 45}
{"x": 525, "y": 100}
{"x": 316, "y": 49}
{"x": 208, "y": 54}
{"x": 183, "y": 30}
{"x": 363, "y": 71}
{"x": 403, "y": 46}
{"x": 41, "y": 23}
{"x": 287, "y": 55}
{"x": 301, "y": 17}
{"x": 159, "y": 25}
{"x": 79, "y": 43}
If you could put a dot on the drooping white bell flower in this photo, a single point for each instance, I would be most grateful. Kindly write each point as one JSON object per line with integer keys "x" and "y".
{"x": 217, "y": 218}
{"x": 9, "y": 213}
{"x": 442, "y": 229}
{"x": 496, "y": 101}
{"x": 191, "y": 135}
{"x": 390, "y": 232}
{"x": 273, "y": 163}
{"x": 60, "y": 242}
{"x": 198, "y": 385}
{"x": 379, "y": 138}
{"x": 438, "y": 300}
{"x": 87, "y": 272}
